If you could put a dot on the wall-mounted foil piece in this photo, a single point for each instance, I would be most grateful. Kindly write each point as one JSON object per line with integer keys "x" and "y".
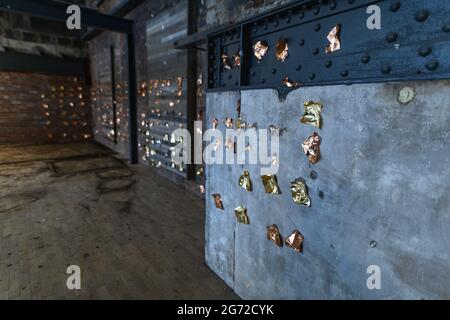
{"x": 218, "y": 201}
{"x": 312, "y": 115}
{"x": 237, "y": 60}
{"x": 333, "y": 38}
{"x": 282, "y": 50}
{"x": 241, "y": 215}
{"x": 299, "y": 192}
{"x": 260, "y": 49}
{"x": 273, "y": 234}
{"x": 289, "y": 83}
{"x": 311, "y": 147}
{"x": 245, "y": 181}
{"x": 229, "y": 122}
{"x": 215, "y": 123}
{"x": 273, "y": 129}
{"x": 226, "y": 62}
{"x": 295, "y": 241}
{"x": 270, "y": 184}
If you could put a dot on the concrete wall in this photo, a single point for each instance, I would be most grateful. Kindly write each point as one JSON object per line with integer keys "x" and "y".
{"x": 383, "y": 179}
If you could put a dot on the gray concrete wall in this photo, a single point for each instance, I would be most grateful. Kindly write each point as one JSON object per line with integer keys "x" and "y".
{"x": 384, "y": 177}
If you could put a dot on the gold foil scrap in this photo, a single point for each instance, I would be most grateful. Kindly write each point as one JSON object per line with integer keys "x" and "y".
{"x": 270, "y": 184}
{"x": 282, "y": 50}
{"x": 311, "y": 147}
{"x": 226, "y": 61}
{"x": 289, "y": 83}
{"x": 241, "y": 215}
{"x": 218, "y": 201}
{"x": 312, "y": 115}
{"x": 300, "y": 193}
{"x": 333, "y": 38}
{"x": 295, "y": 241}
{"x": 237, "y": 60}
{"x": 273, "y": 234}
{"x": 245, "y": 181}
{"x": 260, "y": 49}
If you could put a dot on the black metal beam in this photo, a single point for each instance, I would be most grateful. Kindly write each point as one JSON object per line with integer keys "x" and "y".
{"x": 120, "y": 11}
{"x": 56, "y": 10}
{"x": 132, "y": 95}
{"x": 113, "y": 91}
{"x": 23, "y": 62}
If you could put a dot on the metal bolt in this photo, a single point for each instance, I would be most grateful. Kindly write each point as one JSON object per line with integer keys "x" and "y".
{"x": 395, "y": 6}
{"x": 391, "y": 37}
{"x": 386, "y": 69}
{"x": 425, "y": 51}
{"x": 373, "y": 244}
{"x": 328, "y": 64}
{"x": 432, "y": 65}
{"x": 365, "y": 59}
{"x": 422, "y": 15}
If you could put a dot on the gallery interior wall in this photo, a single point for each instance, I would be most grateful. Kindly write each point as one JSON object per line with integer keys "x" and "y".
{"x": 379, "y": 196}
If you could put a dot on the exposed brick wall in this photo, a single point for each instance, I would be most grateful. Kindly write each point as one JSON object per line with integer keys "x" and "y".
{"x": 36, "y": 108}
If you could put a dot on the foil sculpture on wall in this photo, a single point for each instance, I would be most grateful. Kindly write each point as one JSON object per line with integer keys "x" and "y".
{"x": 218, "y": 201}
{"x": 289, "y": 83}
{"x": 245, "y": 181}
{"x": 241, "y": 215}
{"x": 295, "y": 241}
{"x": 260, "y": 49}
{"x": 312, "y": 115}
{"x": 311, "y": 147}
{"x": 282, "y": 50}
{"x": 273, "y": 234}
{"x": 333, "y": 38}
{"x": 270, "y": 184}
{"x": 226, "y": 62}
{"x": 229, "y": 122}
{"x": 299, "y": 192}
{"x": 237, "y": 60}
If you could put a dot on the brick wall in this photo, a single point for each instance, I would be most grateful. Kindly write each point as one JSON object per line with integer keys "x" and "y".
{"x": 37, "y": 108}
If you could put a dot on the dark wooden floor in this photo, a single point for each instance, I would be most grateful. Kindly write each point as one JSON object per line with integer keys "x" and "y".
{"x": 133, "y": 234}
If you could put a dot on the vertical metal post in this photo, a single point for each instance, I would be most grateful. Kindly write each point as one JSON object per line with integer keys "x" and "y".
{"x": 132, "y": 95}
{"x": 191, "y": 78}
{"x": 113, "y": 92}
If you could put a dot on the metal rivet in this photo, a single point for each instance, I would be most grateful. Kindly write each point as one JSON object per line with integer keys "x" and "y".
{"x": 328, "y": 64}
{"x": 299, "y": 67}
{"x": 317, "y": 27}
{"x": 301, "y": 14}
{"x": 351, "y": 1}
{"x": 365, "y": 59}
{"x": 333, "y": 5}
{"x": 316, "y": 51}
{"x": 386, "y": 69}
{"x": 263, "y": 80}
{"x": 253, "y": 73}
{"x": 344, "y": 73}
{"x": 236, "y": 83}
{"x": 230, "y": 76}
{"x": 302, "y": 42}
{"x": 422, "y": 15}
{"x": 391, "y": 37}
{"x": 446, "y": 27}
{"x": 395, "y": 6}
{"x": 274, "y": 71}
{"x": 373, "y": 244}
{"x": 312, "y": 76}
{"x": 314, "y": 175}
{"x": 432, "y": 65}
{"x": 317, "y": 11}
{"x": 425, "y": 51}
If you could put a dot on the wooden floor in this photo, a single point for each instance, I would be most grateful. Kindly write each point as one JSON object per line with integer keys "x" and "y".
{"x": 133, "y": 234}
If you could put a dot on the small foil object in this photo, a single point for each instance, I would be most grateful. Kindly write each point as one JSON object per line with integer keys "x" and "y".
{"x": 241, "y": 215}
{"x": 260, "y": 49}
{"x": 270, "y": 184}
{"x": 218, "y": 201}
{"x": 215, "y": 123}
{"x": 229, "y": 143}
{"x": 229, "y": 122}
{"x": 226, "y": 61}
{"x": 273, "y": 234}
{"x": 299, "y": 192}
{"x": 282, "y": 50}
{"x": 245, "y": 181}
{"x": 237, "y": 60}
{"x": 312, "y": 115}
{"x": 295, "y": 241}
{"x": 333, "y": 38}
{"x": 289, "y": 83}
{"x": 311, "y": 147}
{"x": 273, "y": 128}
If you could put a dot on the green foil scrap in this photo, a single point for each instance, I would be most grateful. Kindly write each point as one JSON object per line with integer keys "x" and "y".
{"x": 300, "y": 193}
{"x": 245, "y": 181}
{"x": 312, "y": 115}
{"x": 241, "y": 215}
{"x": 270, "y": 184}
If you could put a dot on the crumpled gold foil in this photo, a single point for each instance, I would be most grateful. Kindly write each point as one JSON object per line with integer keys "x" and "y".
{"x": 270, "y": 184}
{"x": 333, "y": 38}
{"x": 241, "y": 215}
{"x": 312, "y": 115}
{"x": 218, "y": 201}
{"x": 299, "y": 192}
{"x": 282, "y": 50}
{"x": 237, "y": 60}
{"x": 245, "y": 181}
{"x": 295, "y": 241}
{"x": 289, "y": 83}
{"x": 311, "y": 147}
{"x": 226, "y": 61}
{"x": 273, "y": 234}
{"x": 260, "y": 49}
